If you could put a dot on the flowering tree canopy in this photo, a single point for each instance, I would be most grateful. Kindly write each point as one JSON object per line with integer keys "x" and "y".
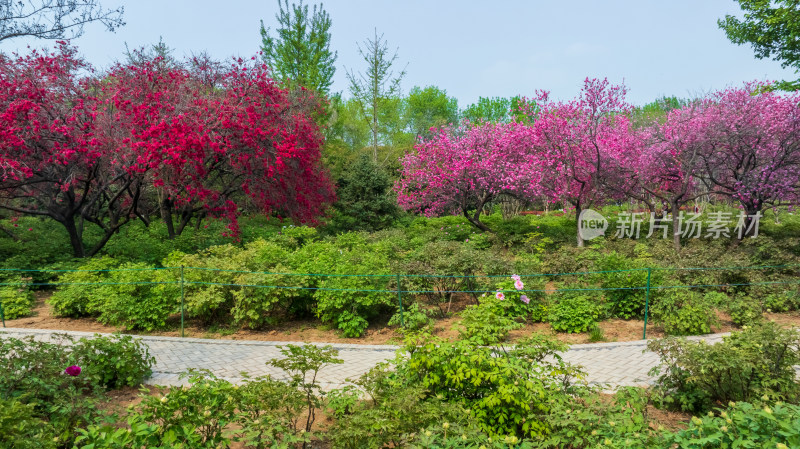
{"x": 462, "y": 169}
{"x": 582, "y": 137}
{"x": 81, "y": 149}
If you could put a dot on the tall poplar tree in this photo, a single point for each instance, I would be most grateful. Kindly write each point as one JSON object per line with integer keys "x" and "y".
{"x": 299, "y": 51}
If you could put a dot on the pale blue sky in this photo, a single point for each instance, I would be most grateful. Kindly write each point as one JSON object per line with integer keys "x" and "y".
{"x": 475, "y": 48}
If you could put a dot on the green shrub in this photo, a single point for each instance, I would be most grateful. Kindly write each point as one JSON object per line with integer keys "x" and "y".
{"x": 624, "y": 279}
{"x": 683, "y": 312}
{"x": 117, "y": 361}
{"x": 506, "y": 391}
{"x": 525, "y": 297}
{"x": 357, "y": 287}
{"x": 16, "y": 300}
{"x": 741, "y": 425}
{"x": 782, "y": 301}
{"x": 20, "y": 428}
{"x": 34, "y": 375}
{"x": 487, "y": 323}
{"x": 139, "y": 297}
{"x": 745, "y": 365}
{"x": 593, "y": 420}
{"x": 413, "y": 318}
{"x": 573, "y": 313}
{"x": 449, "y": 435}
{"x": 744, "y": 310}
{"x": 77, "y": 295}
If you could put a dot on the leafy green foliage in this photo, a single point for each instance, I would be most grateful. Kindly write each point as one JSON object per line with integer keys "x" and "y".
{"x": 300, "y": 53}
{"x": 21, "y": 428}
{"x": 627, "y": 279}
{"x": 303, "y": 364}
{"x": 745, "y": 365}
{"x": 573, "y": 313}
{"x": 486, "y": 323}
{"x": 742, "y": 424}
{"x": 505, "y": 391}
{"x": 770, "y": 27}
{"x": 684, "y": 312}
{"x": 34, "y": 376}
{"x": 363, "y": 200}
{"x": 413, "y": 318}
{"x": 16, "y": 299}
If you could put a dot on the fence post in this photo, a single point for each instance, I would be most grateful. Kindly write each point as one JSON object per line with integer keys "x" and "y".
{"x": 646, "y": 304}
{"x": 400, "y": 301}
{"x": 2, "y": 314}
{"x": 182, "y": 301}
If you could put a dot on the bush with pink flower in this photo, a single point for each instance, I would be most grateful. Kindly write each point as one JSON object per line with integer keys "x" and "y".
{"x": 522, "y": 297}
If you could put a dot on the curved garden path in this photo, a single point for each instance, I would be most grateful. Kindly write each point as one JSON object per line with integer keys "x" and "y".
{"x": 611, "y": 364}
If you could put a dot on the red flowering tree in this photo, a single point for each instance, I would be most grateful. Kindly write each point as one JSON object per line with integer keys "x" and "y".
{"x": 55, "y": 163}
{"x": 86, "y": 150}
{"x": 461, "y": 170}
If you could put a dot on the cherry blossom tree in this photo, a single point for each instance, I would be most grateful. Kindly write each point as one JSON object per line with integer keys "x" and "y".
{"x": 752, "y": 148}
{"x": 582, "y": 136}
{"x": 462, "y": 169}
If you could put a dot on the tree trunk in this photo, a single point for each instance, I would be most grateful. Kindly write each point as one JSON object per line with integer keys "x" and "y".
{"x": 578, "y": 211}
{"x": 166, "y": 215}
{"x": 74, "y": 237}
{"x": 676, "y": 226}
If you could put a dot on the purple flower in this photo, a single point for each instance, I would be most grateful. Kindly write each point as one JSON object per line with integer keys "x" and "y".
{"x": 524, "y": 299}
{"x": 73, "y": 370}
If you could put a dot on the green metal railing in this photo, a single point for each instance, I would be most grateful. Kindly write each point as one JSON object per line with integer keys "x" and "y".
{"x": 182, "y": 282}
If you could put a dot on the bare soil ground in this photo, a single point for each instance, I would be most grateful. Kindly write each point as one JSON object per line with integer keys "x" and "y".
{"x": 312, "y": 331}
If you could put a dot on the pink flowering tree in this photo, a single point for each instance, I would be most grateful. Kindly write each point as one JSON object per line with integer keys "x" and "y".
{"x": 583, "y": 137}
{"x": 664, "y": 170}
{"x": 752, "y": 148}
{"x": 461, "y": 170}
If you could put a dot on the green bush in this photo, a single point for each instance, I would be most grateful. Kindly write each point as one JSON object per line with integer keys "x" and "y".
{"x": 746, "y": 365}
{"x": 413, "y": 318}
{"x": 624, "y": 279}
{"x": 525, "y": 297}
{"x": 573, "y": 313}
{"x": 117, "y": 361}
{"x": 507, "y": 391}
{"x": 34, "y": 374}
{"x": 487, "y": 323}
{"x": 139, "y": 297}
{"x": 77, "y": 294}
{"x": 358, "y": 286}
{"x": 16, "y": 300}
{"x": 742, "y": 424}
{"x": 744, "y": 310}
{"x": 20, "y": 428}
{"x": 782, "y": 301}
{"x": 683, "y": 312}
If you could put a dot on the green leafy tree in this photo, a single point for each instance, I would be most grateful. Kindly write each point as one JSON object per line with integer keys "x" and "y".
{"x": 377, "y": 90}
{"x": 494, "y": 110}
{"x": 364, "y": 203}
{"x": 428, "y": 108}
{"x": 300, "y": 51}
{"x": 772, "y": 28}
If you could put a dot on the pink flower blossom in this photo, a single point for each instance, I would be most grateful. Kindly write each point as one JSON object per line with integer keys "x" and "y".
{"x": 515, "y": 277}
{"x": 73, "y": 370}
{"x": 518, "y": 284}
{"x": 500, "y": 296}
{"x": 524, "y": 299}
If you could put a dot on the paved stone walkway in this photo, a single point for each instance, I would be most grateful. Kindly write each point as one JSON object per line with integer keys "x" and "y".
{"x": 614, "y": 364}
